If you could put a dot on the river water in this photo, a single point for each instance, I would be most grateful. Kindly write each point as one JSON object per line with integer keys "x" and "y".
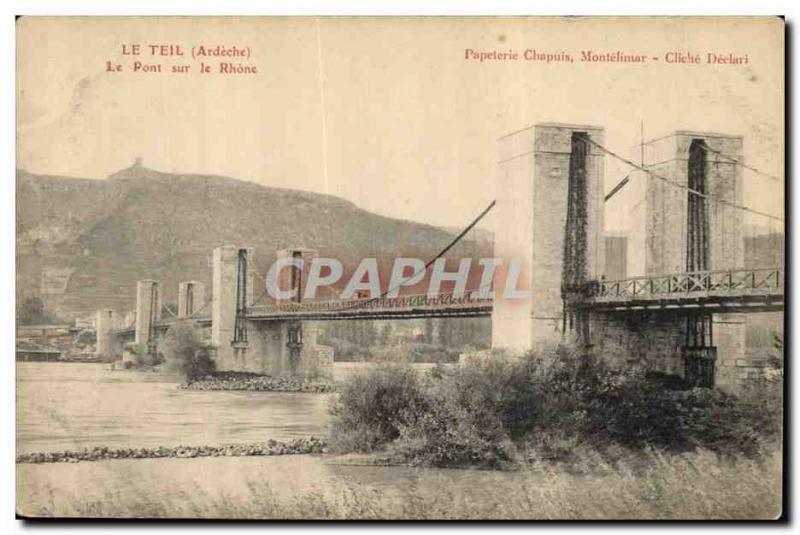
{"x": 62, "y": 406}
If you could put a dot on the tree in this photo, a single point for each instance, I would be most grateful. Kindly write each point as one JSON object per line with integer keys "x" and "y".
{"x": 428, "y": 335}
{"x": 386, "y": 333}
{"x": 186, "y": 353}
{"x": 139, "y": 352}
{"x": 776, "y": 354}
{"x": 32, "y": 312}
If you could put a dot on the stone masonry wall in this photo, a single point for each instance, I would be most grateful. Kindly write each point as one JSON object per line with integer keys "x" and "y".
{"x": 646, "y": 340}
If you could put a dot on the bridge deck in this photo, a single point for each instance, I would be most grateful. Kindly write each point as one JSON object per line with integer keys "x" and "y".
{"x": 404, "y": 307}
{"x": 746, "y": 290}
{"x": 731, "y": 291}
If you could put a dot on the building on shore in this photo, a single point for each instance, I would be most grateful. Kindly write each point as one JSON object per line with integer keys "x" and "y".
{"x": 28, "y": 351}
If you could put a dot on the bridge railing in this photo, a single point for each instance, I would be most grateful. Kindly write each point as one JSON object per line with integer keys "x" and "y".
{"x": 695, "y": 284}
{"x": 450, "y": 300}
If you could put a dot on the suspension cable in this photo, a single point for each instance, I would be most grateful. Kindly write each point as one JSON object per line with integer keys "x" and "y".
{"x": 622, "y": 183}
{"x": 430, "y": 262}
{"x": 681, "y": 186}
{"x": 438, "y": 255}
{"x": 166, "y": 307}
{"x": 200, "y": 309}
{"x": 264, "y": 292}
{"x": 740, "y": 164}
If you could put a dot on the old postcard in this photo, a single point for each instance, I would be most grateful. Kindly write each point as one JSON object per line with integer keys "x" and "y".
{"x": 400, "y": 268}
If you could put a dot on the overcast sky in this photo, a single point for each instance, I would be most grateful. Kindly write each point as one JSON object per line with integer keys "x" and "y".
{"x": 387, "y": 114}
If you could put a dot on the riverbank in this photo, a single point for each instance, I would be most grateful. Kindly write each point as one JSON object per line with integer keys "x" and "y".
{"x": 102, "y": 453}
{"x": 695, "y": 486}
{"x": 253, "y": 382}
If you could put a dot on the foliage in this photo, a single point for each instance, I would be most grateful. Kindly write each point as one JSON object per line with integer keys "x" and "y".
{"x": 429, "y": 340}
{"x": 139, "y": 352}
{"x": 186, "y": 353}
{"x": 763, "y": 395}
{"x": 86, "y": 337}
{"x": 374, "y": 406}
{"x": 345, "y": 350}
{"x": 545, "y": 405}
{"x": 418, "y": 352}
{"x": 460, "y": 424}
{"x": 776, "y": 355}
{"x": 639, "y": 413}
{"x": 32, "y": 312}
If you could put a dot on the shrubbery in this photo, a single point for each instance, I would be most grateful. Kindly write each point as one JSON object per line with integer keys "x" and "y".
{"x": 415, "y": 352}
{"x": 139, "y": 354}
{"x": 347, "y": 351}
{"x": 374, "y": 407}
{"x": 458, "y": 427}
{"x": 543, "y": 406}
{"x": 186, "y": 353}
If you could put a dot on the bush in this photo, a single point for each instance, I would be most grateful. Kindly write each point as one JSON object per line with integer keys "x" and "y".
{"x": 641, "y": 413}
{"x": 186, "y": 353}
{"x": 139, "y": 352}
{"x": 374, "y": 406}
{"x": 546, "y": 406}
{"x": 414, "y": 352}
{"x": 461, "y": 426}
{"x": 763, "y": 396}
{"x": 347, "y": 351}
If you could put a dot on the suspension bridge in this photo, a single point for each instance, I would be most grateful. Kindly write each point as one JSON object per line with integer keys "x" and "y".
{"x": 679, "y": 320}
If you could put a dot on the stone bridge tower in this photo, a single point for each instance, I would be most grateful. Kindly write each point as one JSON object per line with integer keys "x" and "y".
{"x": 273, "y": 347}
{"x": 550, "y": 194}
{"x": 232, "y": 289}
{"x": 148, "y": 314}
{"x": 550, "y": 200}
{"x": 680, "y": 231}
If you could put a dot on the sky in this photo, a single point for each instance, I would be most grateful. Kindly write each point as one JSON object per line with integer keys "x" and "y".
{"x": 385, "y": 113}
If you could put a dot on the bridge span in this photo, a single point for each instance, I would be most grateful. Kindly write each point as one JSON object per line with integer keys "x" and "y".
{"x": 684, "y": 315}
{"x": 725, "y": 291}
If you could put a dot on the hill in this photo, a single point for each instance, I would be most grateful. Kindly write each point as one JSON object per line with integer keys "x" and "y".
{"x": 82, "y": 243}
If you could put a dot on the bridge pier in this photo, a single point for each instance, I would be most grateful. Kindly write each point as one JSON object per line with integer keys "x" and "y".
{"x": 106, "y": 341}
{"x": 658, "y": 341}
{"x": 275, "y": 347}
{"x": 292, "y": 277}
{"x": 148, "y": 313}
{"x": 232, "y": 287}
{"x": 733, "y": 364}
{"x": 648, "y": 340}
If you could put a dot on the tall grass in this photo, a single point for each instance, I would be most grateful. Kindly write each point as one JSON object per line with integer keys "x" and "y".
{"x": 687, "y": 486}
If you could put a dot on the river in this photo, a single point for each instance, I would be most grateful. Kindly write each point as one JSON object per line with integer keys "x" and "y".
{"x": 62, "y": 406}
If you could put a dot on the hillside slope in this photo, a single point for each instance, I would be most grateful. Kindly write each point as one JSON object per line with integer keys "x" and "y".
{"x": 82, "y": 244}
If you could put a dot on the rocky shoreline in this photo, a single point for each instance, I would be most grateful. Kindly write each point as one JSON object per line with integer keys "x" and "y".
{"x": 297, "y": 446}
{"x": 258, "y": 383}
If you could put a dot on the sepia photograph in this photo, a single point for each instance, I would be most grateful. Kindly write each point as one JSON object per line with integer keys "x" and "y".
{"x": 400, "y": 268}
